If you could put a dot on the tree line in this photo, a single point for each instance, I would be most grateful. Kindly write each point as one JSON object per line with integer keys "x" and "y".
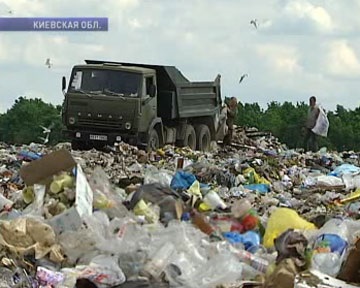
{"x": 21, "y": 124}
{"x": 286, "y": 121}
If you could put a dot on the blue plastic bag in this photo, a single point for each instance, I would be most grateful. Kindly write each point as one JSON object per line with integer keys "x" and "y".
{"x": 250, "y": 239}
{"x": 29, "y": 155}
{"x": 261, "y": 188}
{"x": 345, "y": 169}
{"x": 182, "y": 180}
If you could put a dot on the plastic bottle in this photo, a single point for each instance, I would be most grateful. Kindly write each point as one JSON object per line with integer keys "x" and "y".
{"x": 243, "y": 211}
{"x": 199, "y": 221}
{"x": 331, "y": 246}
{"x": 213, "y": 200}
{"x": 159, "y": 261}
{"x": 256, "y": 262}
{"x": 241, "y": 208}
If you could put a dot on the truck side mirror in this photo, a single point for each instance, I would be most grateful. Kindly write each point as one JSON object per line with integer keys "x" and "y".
{"x": 152, "y": 91}
{"x": 63, "y": 83}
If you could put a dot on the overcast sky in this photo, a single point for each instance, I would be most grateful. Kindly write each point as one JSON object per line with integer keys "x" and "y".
{"x": 301, "y": 47}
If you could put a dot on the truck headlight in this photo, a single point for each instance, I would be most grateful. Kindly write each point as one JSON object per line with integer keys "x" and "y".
{"x": 71, "y": 120}
{"x": 128, "y": 125}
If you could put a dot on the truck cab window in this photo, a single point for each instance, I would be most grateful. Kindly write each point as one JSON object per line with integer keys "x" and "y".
{"x": 148, "y": 82}
{"x": 76, "y": 83}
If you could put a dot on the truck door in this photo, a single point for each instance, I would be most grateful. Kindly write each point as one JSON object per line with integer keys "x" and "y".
{"x": 148, "y": 107}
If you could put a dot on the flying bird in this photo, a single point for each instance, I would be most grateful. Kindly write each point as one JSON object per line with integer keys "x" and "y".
{"x": 243, "y": 77}
{"x": 48, "y": 63}
{"x": 47, "y": 130}
{"x": 45, "y": 139}
{"x": 255, "y": 23}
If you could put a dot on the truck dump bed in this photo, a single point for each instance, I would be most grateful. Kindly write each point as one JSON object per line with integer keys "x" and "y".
{"x": 177, "y": 96}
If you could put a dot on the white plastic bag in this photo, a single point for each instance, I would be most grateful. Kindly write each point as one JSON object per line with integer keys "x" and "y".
{"x": 322, "y": 124}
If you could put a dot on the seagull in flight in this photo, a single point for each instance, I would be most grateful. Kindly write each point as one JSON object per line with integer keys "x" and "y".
{"x": 48, "y": 63}
{"x": 45, "y": 139}
{"x": 47, "y": 130}
{"x": 255, "y": 23}
{"x": 243, "y": 77}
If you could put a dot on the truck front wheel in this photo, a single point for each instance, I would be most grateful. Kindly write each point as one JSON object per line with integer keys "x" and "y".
{"x": 153, "y": 141}
{"x": 190, "y": 137}
{"x": 203, "y": 137}
{"x": 77, "y": 145}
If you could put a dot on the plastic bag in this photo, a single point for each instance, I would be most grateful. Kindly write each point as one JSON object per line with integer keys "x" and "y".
{"x": 186, "y": 238}
{"x": 219, "y": 270}
{"x": 261, "y": 188}
{"x": 322, "y": 124}
{"x": 281, "y": 220}
{"x": 103, "y": 271}
{"x": 182, "y": 180}
{"x": 345, "y": 169}
{"x": 151, "y": 212}
{"x": 105, "y": 197}
{"x": 48, "y": 278}
{"x": 5, "y": 204}
{"x": 329, "y": 181}
{"x": 36, "y": 208}
{"x": 153, "y": 175}
{"x": 82, "y": 245}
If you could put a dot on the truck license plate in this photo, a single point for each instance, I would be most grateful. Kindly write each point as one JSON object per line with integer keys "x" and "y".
{"x": 98, "y": 137}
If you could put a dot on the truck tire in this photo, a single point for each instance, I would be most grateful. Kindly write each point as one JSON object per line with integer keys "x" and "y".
{"x": 203, "y": 137}
{"x": 77, "y": 145}
{"x": 190, "y": 137}
{"x": 153, "y": 141}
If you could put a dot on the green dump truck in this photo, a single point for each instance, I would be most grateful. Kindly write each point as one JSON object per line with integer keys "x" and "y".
{"x": 143, "y": 105}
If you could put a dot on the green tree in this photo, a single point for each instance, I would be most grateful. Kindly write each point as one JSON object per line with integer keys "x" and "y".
{"x": 21, "y": 123}
{"x": 249, "y": 115}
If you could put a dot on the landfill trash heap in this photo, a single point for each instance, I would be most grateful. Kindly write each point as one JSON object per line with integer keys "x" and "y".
{"x": 253, "y": 214}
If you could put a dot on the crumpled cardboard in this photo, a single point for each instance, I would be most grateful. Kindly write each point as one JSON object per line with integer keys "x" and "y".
{"x": 283, "y": 275}
{"x": 27, "y": 235}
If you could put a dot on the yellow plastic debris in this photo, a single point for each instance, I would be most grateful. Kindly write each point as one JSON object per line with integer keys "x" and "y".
{"x": 251, "y": 173}
{"x": 28, "y": 194}
{"x": 281, "y": 220}
{"x": 61, "y": 182}
{"x": 102, "y": 202}
{"x": 151, "y": 214}
{"x": 203, "y": 207}
{"x": 352, "y": 197}
{"x": 194, "y": 189}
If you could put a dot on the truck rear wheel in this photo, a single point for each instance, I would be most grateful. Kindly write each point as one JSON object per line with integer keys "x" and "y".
{"x": 153, "y": 141}
{"x": 203, "y": 137}
{"x": 190, "y": 137}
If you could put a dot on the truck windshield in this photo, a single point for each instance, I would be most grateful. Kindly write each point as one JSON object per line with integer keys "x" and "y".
{"x": 108, "y": 82}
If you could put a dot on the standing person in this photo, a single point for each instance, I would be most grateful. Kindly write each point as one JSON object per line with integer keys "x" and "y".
{"x": 310, "y": 141}
{"x": 231, "y": 115}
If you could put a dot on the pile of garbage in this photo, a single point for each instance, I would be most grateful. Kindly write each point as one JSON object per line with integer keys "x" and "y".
{"x": 255, "y": 214}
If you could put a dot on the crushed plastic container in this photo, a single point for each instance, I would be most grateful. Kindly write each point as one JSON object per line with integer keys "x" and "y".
{"x": 330, "y": 247}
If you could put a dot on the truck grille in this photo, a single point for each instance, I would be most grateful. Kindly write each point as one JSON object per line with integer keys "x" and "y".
{"x": 107, "y": 123}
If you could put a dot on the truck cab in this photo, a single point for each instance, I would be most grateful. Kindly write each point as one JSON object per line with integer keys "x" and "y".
{"x": 107, "y": 103}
